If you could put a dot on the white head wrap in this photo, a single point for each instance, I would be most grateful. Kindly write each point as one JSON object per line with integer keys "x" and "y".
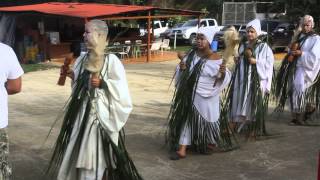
{"x": 307, "y": 19}
{"x": 256, "y": 25}
{"x": 207, "y": 33}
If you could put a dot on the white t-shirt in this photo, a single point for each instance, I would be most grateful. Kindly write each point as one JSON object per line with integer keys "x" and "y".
{"x": 9, "y": 69}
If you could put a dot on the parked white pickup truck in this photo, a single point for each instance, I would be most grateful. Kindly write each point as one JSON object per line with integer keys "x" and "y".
{"x": 159, "y": 27}
{"x": 189, "y": 29}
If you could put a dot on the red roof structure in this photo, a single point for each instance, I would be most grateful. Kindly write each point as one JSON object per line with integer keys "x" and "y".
{"x": 88, "y": 10}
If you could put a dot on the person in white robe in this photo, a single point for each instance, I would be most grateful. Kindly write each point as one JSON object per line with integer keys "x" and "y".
{"x": 194, "y": 116}
{"x": 251, "y": 83}
{"x": 306, "y": 75}
{"x": 90, "y": 144}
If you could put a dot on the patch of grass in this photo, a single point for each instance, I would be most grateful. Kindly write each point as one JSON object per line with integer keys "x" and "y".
{"x": 182, "y": 48}
{"x": 36, "y": 67}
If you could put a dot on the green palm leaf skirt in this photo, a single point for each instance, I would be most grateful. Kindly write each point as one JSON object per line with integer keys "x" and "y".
{"x": 283, "y": 89}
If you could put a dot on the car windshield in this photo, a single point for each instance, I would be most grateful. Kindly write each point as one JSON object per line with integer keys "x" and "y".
{"x": 178, "y": 25}
{"x": 190, "y": 23}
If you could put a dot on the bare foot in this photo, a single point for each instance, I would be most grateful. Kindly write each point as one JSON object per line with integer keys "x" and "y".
{"x": 252, "y": 137}
{"x": 182, "y": 154}
{"x": 212, "y": 146}
{"x": 177, "y": 155}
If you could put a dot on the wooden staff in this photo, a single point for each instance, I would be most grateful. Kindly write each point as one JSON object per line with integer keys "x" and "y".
{"x": 293, "y": 47}
{"x": 64, "y": 70}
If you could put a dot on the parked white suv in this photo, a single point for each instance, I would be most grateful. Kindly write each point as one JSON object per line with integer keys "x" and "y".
{"x": 189, "y": 29}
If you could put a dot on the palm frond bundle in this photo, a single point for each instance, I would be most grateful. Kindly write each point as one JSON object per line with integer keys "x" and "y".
{"x": 120, "y": 166}
{"x": 72, "y": 111}
{"x": 283, "y": 82}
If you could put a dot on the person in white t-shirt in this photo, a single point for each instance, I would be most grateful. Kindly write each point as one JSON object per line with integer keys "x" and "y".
{"x": 10, "y": 83}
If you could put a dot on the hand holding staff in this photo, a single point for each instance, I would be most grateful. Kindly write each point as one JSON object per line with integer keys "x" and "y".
{"x": 294, "y": 45}
{"x": 65, "y": 70}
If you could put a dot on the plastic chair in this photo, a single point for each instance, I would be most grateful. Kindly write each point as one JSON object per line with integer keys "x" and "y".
{"x": 165, "y": 44}
{"x": 137, "y": 48}
{"x": 155, "y": 46}
{"x": 125, "y": 52}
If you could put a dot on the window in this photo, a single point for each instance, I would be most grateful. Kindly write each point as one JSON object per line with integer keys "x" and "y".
{"x": 211, "y": 23}
{"x": 190, "y": 23}
{"x": 156, "y": 26}
{"x": 203, "y": 24}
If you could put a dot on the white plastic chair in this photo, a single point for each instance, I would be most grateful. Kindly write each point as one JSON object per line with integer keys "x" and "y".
{"x": 165, "y": 44}
{"x": 127, "y": 42}
{"x": 125, "y": 52}
{"x": 155, "y": 46}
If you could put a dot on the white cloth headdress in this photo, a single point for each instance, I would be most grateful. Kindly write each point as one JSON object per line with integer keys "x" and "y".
{"x": 256, "y": 25}
{"x": 207, "y": 33}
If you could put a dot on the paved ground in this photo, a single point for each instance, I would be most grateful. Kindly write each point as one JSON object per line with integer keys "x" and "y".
{"x": 291, "y": 155}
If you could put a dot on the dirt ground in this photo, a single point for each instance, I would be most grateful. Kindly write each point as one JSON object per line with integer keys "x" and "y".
{"x": 290, "y": 155}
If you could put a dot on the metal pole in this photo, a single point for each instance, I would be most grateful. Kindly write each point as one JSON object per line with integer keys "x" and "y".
{"x": 175, "y": 40}
{"x": 319, "y": 166}
{"x": 149, "y": 37}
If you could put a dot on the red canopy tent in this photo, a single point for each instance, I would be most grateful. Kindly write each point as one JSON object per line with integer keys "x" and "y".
{"x": 89, "y": 11}
{"x": 80, "y": 10}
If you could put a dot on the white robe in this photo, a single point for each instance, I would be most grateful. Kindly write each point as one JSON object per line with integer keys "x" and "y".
{"x": 307, "y": 69}
{"x": 241, "y": 110}
{"x": 207, "y": 96}
{"x": 113, "y": 106}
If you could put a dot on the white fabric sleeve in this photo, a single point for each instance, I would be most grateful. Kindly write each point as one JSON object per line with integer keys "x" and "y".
{"x": 223, "y": 84}
{"x": 115, "y": 103}
{"x": 264, "y": 64}
{"x": 211, "y": 86}
{"x": 265, "y": 60}
{"x": 15, "y": 70}
{"x": 311, "y": 60}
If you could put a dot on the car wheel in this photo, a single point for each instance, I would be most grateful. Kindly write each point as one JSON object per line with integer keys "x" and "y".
{"x": 192, "y": 39}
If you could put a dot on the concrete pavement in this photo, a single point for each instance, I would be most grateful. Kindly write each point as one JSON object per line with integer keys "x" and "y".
{"x": 291, "y": 155}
